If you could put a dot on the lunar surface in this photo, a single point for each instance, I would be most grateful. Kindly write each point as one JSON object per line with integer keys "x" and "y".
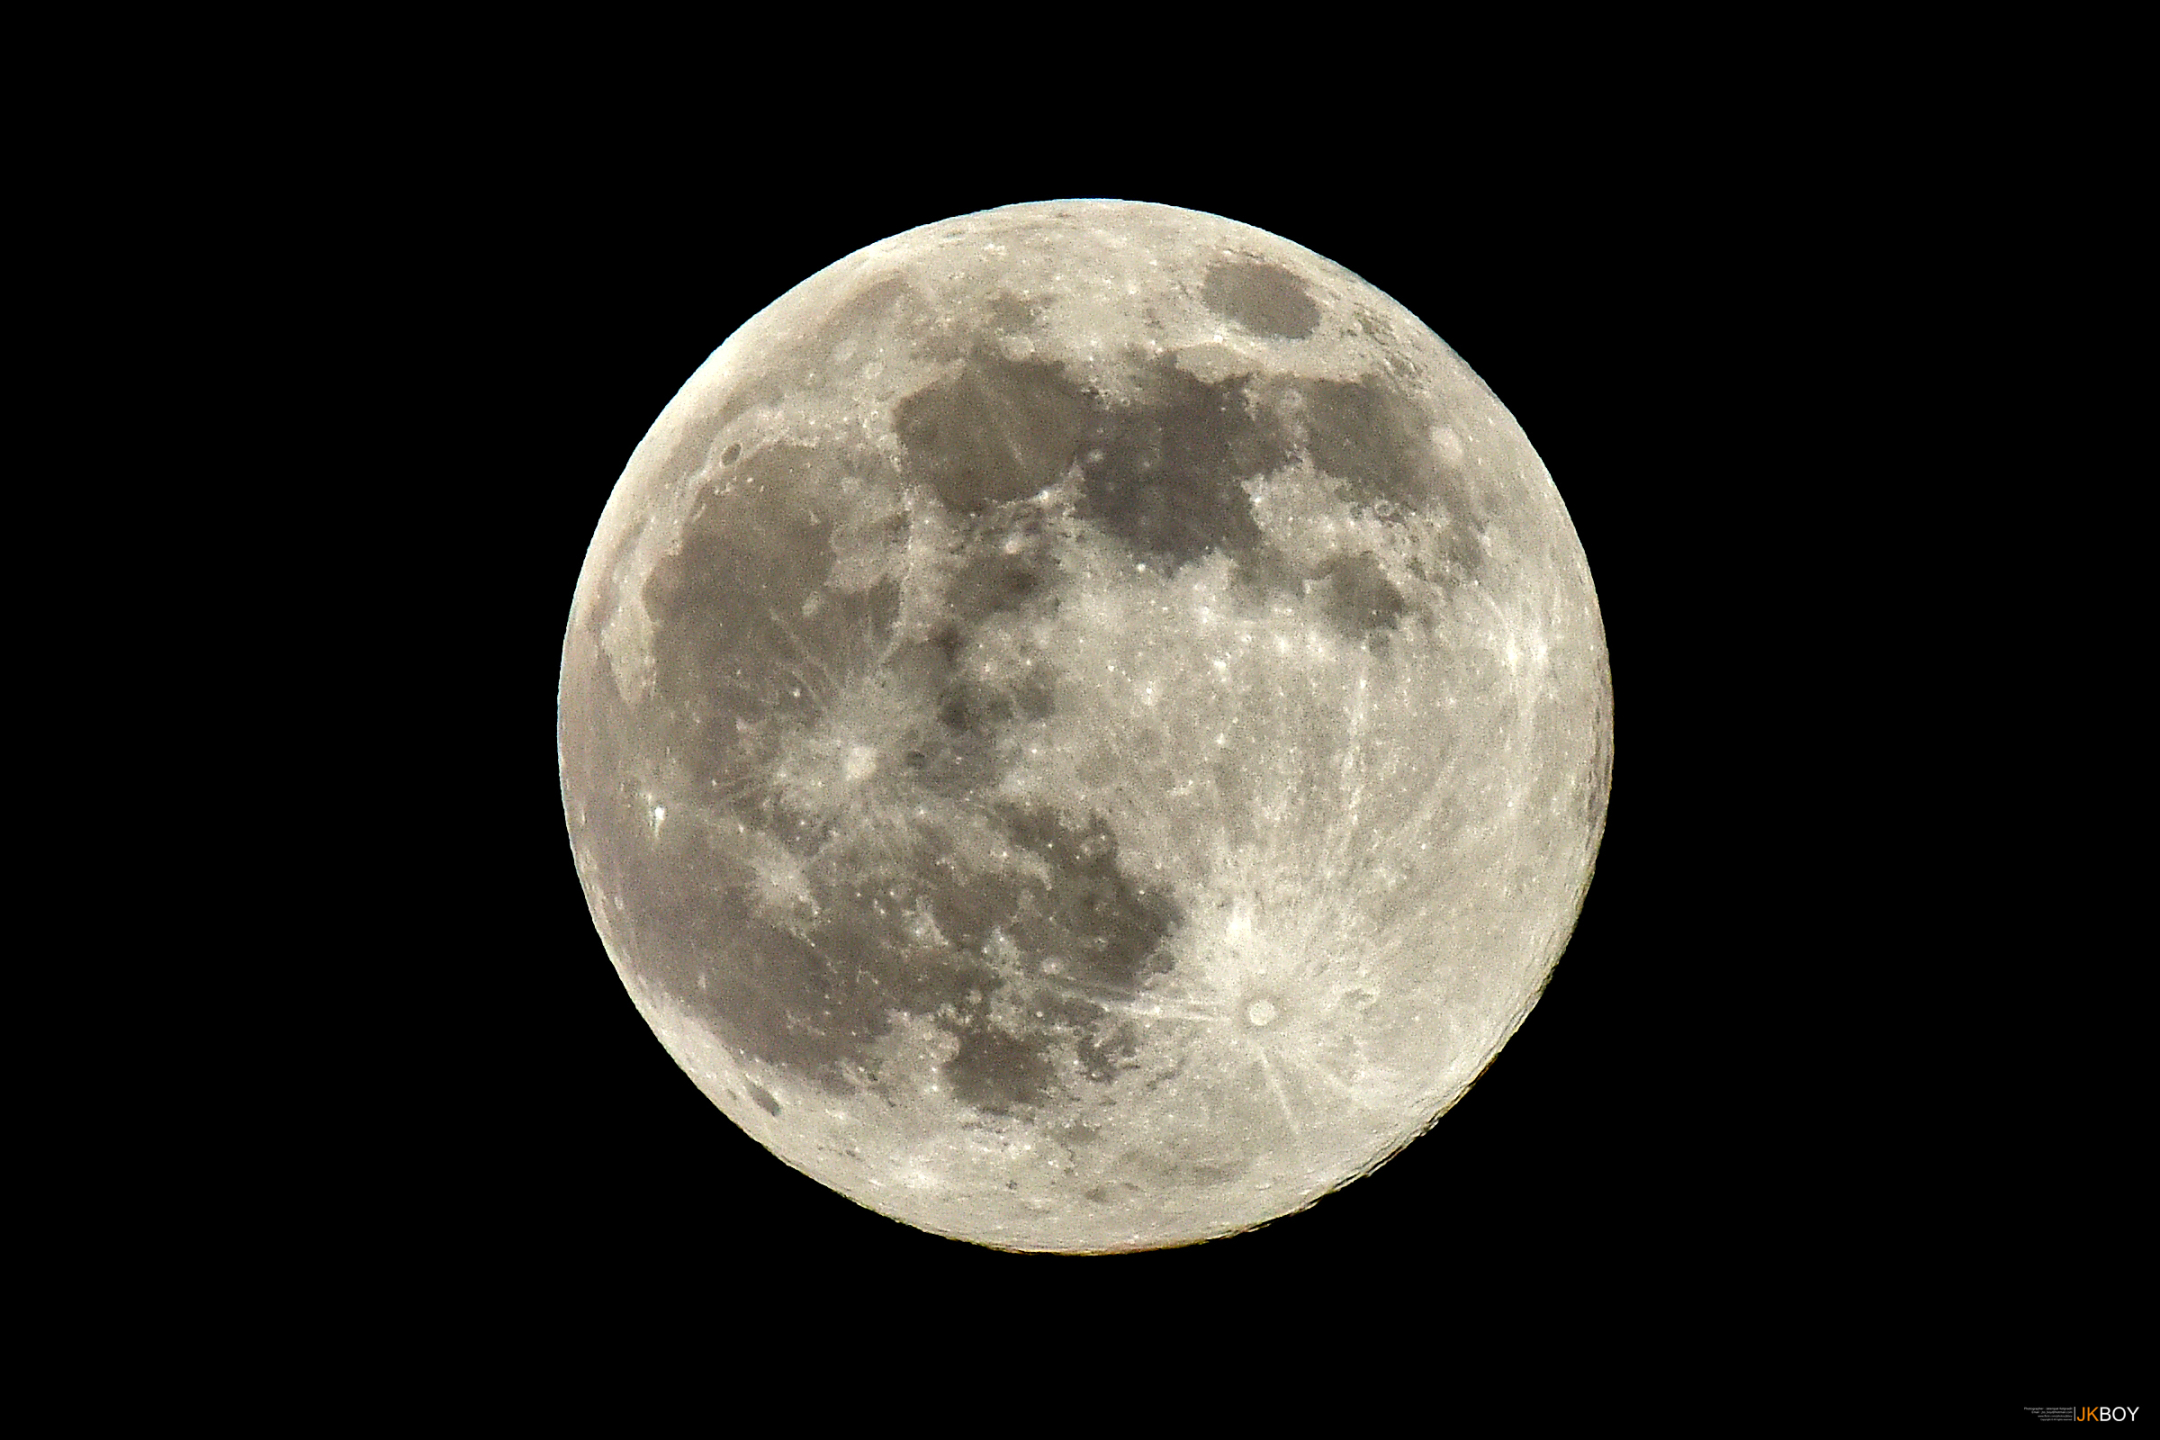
{"x": 1085, "y": 727}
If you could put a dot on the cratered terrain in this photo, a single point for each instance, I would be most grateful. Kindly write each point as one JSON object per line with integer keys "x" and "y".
{"x": 1085, "y": 727}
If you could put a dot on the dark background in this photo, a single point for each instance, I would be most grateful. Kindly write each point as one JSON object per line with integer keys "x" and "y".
{"x": 1743, "y": 1116}
{"x": 1592, "y": 1137}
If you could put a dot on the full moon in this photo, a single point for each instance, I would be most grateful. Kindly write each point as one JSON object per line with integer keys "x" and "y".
{"x": 1084, "y": 727}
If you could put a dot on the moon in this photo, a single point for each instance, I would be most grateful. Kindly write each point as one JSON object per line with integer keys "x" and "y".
{"x": 1084, "y": 727}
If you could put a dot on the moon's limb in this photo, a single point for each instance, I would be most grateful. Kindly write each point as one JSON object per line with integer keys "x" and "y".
{"x": 1085, "y": 727}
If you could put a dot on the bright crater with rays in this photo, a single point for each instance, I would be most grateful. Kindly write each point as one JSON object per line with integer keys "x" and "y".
{"x": 1084, "y": 727}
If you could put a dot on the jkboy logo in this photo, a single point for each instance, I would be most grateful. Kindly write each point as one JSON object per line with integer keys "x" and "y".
{"x": 2082, "y": 1412}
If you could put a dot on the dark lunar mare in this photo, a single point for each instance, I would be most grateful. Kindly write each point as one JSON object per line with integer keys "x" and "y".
{"x": 1260, "y": 297}
{"x": 1166, "y": 471}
